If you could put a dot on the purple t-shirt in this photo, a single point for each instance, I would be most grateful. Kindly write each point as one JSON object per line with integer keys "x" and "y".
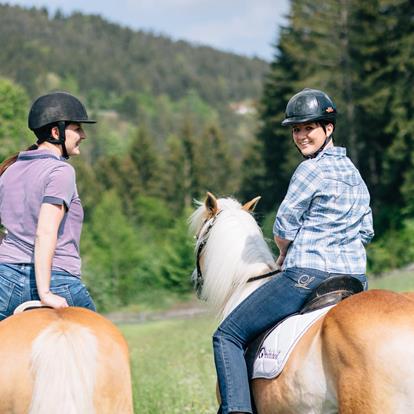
{"x": 37, "y": 177}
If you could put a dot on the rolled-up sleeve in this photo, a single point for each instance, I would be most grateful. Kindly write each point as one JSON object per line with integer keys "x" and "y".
{"x": 367, "y": 230}
{"x": 60, "y": 186}
{"x": 302, "y": 189}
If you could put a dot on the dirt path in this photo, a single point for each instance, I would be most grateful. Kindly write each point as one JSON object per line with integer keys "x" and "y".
{"x": 180, "y": 311}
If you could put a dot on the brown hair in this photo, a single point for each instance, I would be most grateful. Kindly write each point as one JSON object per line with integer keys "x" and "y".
{"x": 11, "y": 160}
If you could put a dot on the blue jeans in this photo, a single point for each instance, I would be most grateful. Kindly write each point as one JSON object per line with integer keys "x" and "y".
{"x": 280, "y": 297}
{"x": 18, "y": 285}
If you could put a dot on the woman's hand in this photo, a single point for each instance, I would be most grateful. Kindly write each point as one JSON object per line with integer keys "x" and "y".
{"x": 283, "y": 246}
{"x": 55, "y": 301}
{"x": 280, "y": 260}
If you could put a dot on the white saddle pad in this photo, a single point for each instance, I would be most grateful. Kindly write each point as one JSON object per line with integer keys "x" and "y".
{"x": 278, "y": 345}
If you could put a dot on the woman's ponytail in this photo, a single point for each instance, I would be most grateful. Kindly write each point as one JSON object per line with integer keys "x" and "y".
{"x": 11, "y": 160}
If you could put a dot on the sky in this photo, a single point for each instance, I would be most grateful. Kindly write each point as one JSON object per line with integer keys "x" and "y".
{"x": 246, "y": 27}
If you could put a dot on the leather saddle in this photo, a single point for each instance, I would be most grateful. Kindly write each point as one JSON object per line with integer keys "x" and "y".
{"x": 332, "y": 291}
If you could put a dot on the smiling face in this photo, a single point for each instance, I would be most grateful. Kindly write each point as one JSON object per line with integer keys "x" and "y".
{"x": 309, "y": 137}
{"x": 74, "y": 134}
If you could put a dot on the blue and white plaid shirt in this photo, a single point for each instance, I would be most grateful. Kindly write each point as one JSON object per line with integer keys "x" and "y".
{"x": 326, "y": 215}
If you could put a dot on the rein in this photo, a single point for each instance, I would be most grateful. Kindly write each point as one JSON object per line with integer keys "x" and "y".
{"x": 274, "y": 272}
{"x": 202, "y": 238}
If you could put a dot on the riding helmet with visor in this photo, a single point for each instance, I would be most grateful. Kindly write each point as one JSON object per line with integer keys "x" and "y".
{"x": 56, "y": 108}
{"x": 311, "y": 105}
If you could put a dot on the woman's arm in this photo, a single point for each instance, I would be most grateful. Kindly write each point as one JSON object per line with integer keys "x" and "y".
{"x": 50, "y": 217}
{"x": 367, "y": 231}
{"x": 282, "y": 245}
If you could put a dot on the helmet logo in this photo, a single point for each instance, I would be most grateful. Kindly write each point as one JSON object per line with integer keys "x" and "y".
{"x": 329, "y": 109}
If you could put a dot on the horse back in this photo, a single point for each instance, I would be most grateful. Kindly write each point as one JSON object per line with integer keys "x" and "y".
{"x": 357, "y": 359}
{"x": 368, "y": 351}
{"x": 50, "y": 356}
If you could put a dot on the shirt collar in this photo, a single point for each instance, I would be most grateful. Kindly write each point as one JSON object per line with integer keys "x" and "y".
{"x": 332, "y": 151}
{"x": 38, "y": 154}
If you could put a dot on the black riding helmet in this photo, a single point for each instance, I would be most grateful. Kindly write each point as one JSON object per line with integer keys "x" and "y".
{"x": 56, "y": 109}
{"x": 311, "y": 105}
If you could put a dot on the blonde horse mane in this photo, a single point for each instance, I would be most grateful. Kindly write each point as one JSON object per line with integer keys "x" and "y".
{"x": 234, "y": 252}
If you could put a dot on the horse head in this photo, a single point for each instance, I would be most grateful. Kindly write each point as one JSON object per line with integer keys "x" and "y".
{"x": 230, "y": 248}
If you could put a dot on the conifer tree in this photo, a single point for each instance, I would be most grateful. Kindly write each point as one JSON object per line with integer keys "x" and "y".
{"x": 190, "y": 174}
{"x": 398, "y": 87}
{"x": 145, "y": 158}
{"x": 267, "y": 172}
{"x": 215, "y": 165}
{"x": 175, "y": 174}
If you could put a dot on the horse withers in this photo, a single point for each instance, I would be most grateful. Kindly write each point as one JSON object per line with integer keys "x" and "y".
{"x": 67, "y": 361}
{"x": 357, "y": 359}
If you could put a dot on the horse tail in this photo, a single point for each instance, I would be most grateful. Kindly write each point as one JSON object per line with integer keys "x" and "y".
{"x": 64, "y": 364}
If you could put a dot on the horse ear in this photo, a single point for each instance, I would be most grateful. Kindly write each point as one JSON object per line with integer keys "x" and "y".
{"x": 251, "y": 205}
{"x": 211, "y": 204}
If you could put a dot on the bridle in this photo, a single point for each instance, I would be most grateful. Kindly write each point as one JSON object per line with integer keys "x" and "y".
{"x": 202, "y": 238}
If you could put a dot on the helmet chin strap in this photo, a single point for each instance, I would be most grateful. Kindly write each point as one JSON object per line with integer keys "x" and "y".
{"x": 62, "y": 138}
{"x": 321, "y": 148}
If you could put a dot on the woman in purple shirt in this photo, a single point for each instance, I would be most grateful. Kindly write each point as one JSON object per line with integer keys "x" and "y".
{"x": 41, "y": 212}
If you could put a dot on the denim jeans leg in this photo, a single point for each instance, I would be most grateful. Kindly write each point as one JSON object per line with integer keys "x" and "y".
{"x": 283, "y": 295}
{"x": 11, "y": 287}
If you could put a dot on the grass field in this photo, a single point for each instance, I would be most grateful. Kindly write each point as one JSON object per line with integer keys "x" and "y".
{"x": 172, "y": 362}
{"x": 172, "y": 366}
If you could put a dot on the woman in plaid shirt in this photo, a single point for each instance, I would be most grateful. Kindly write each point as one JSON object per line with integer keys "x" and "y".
{"x": 321, "y": 228}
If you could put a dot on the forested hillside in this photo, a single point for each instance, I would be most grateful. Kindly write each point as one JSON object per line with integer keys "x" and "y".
{"x": 173, "y": 120}
{"x": 112, "y": 65}
{"x": 176, "y": 120}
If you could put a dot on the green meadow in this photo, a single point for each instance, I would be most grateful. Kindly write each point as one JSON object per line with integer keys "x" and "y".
{"x": 172, "y": 366}
{"x": 172, "y": 361}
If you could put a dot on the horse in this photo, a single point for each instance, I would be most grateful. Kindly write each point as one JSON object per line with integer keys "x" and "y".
{"x": 67, "y": 361}
{"x": 357, "y": 359}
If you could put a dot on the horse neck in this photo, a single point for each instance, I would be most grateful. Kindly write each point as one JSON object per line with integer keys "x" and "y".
{"x": 236, "y": 251}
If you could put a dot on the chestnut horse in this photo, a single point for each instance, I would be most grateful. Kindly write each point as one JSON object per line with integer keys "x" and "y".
{"x": 358, "y": 358}
{"x": 68, "y": 361}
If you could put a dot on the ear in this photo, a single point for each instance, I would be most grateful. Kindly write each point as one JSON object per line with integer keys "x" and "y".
{"x": 54, "y": 132}
{"x": 211, "y": 204}
{"x": 251, "y": 205}
{"x": 329, "y": 129}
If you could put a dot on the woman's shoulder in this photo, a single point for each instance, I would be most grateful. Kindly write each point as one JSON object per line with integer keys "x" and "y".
{"x": 308, "y": 166}
{"x": 307, "y": 171}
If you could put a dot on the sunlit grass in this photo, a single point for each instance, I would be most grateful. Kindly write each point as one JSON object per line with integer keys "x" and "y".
{"x": 172, "y": 366}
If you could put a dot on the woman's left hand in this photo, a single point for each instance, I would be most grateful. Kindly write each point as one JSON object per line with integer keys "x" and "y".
{"x": 55, "y": 301}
